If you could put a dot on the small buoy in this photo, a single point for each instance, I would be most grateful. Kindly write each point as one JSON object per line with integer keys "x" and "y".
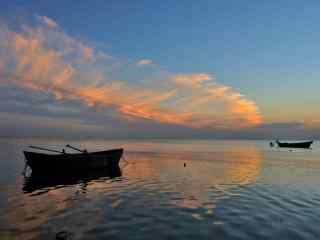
{"x": 184, "y": 164}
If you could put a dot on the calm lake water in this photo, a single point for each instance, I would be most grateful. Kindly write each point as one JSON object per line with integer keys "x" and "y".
{"x": 228, "y": 190}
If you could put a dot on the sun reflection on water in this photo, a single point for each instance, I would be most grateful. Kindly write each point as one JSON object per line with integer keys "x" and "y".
{"x": 191, "y": 182}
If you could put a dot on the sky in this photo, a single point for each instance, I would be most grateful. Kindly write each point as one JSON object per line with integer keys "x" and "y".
{"x": 149, "y": 69}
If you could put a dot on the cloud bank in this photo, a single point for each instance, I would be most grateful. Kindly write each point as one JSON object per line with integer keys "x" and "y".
{"x": 43, "y": 59}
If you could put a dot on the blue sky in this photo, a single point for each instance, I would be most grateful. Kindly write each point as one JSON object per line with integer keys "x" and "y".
{"x": 265, "y": 50}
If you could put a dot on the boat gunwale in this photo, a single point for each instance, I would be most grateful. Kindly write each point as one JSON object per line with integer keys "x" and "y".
{"x": 76, "y": 154}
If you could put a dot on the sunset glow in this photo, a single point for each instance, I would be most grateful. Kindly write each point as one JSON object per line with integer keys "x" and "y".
{"x": 33, "y": 61}
{"x": 42, "y": 56}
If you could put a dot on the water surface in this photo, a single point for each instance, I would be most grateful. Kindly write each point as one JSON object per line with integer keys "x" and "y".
{"x": 228, "y": 190}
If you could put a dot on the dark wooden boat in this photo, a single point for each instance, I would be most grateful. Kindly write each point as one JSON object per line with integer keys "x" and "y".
{"x": 68, "y": 162}
{"x": 305, "y": 144}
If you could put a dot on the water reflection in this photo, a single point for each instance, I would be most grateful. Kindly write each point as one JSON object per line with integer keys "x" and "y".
{"x": 47, "y": 198}
{"x": 46, "y": 182}
{"x": 207, "y": 178}
{"x": 213, "y": 179}
{"x": 245, "y": 165}
{"x": 233, "y": 192}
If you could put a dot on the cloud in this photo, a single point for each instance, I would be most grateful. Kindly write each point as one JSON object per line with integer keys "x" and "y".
{"x": 193, "y": 80}
{"x": 47, "y": 122}
{"x": 203, "y": 95}
{"x": 87, "y": 52}
{"x": 48, "y": 21}
{"x": 144, "y": 62}
{"x": 282, "y": 130}
{"x": 46, "y": 60}
{"x": 312, "y": 123}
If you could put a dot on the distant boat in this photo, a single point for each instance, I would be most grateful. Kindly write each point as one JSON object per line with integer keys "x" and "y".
{"x": 305, "y": 144}
{"x": 68, "y": 162}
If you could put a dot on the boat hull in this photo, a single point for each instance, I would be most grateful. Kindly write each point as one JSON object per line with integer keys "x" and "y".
{"x": 295, "y": 145}
{"x": 40, "y": 162}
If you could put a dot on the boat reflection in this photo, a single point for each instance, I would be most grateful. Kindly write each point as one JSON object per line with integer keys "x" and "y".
{"x": 38, "y": 181}
{"x": 49, "y": 196}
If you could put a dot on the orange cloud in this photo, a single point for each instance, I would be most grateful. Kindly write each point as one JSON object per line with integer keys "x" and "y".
{"x": 48, "y": 21}
{"x": 46, "y": 59}
{"x": 190, "y": 80}
{"x": 203, "y": 96}
{"x": 144, "y": 62}
{"x": 312, "y": 123}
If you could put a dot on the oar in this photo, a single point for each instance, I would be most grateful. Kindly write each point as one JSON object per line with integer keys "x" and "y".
{"x": 77, "y": 149}
{"x": 46, "y": 149}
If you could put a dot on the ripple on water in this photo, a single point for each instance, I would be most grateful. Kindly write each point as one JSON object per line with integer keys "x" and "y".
{"x": 232, "y": 194}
